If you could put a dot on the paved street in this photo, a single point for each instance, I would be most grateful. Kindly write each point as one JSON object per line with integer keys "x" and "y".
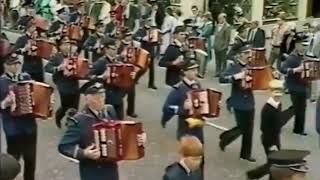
{"x": 161, "y": 146}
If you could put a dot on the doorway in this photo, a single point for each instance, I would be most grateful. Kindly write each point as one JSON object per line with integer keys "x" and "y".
{"x": 313, "y": 8}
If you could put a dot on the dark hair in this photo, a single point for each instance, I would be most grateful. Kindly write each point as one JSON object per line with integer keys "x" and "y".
{"x": 194, "y": 7}
{"x": 178, "y": 12}
{"x": 169, "y": 11}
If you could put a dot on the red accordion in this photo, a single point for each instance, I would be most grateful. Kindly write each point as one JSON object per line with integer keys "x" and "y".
{"x": 76, "y": 67}
{"x": 118, "y": 140}
{"x": 41, "y": 23}
{"x": 73, "y": 32}
{"x": 204, "y": 103}
{"x": 197, "y": 43}
{"x": 311, "y": 70}
{"x": 154, "y": 36}
{"x": 44, "y": 49}
{"x": 32, "y": 98}
{"x": 258, "y": 57}
{"x": 261, "y": 76}
{"x": 138, "y": 57}
{"x": 120, "y": 75}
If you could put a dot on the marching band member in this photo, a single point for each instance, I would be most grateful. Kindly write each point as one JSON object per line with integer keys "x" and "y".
{"x": 58, "y": 25}
{"x": 111, "y": 27}
{"x": 176, "y": 103}
{"x": 20, "y": 131}
{"x": 242, "y": 101}
{"x": 297, "y": 88}
{"x": 288, "y": 165}
{"x": 114, "y": 96}
{"x": 29, "y": 15}
{"x": 127, "y": 41}
{"x": 76, "y": 12}
{"x": 173, "y": 57}
{"x": 272, "y": 121}
{"x": 68, "y": 88}
{"x": 93, "y": 42}
{"x": 77, "y": 142}
{"x": 239, "y": 42}
{"x": 142, "y": 35}
{"x": 191, "y": 151}
{"x": 31, "y": 64}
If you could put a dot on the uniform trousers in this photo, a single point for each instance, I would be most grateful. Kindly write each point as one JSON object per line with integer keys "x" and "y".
{"x": 151, "y": 72}
{"x": 245, "y": 123}
{"x": 264, "y": 169}
{"x": 299, "y": 102}
{"x": 25, "y": 146}
{"x": 37, "y": 76}
{"x": 119, "y": 110}
{"x": 275, "y": 56}
{"x": 221, "y": 61}
{"x": 131, "y": 101}
{"x": 67, "y": 101}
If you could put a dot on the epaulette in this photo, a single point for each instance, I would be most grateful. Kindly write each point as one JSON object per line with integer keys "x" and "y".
{"x": 176, "y": 86}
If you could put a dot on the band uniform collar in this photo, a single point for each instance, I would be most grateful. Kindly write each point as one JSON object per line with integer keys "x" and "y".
{"x": 185, "y": 167}
{"x": 191, "y": 83}
{"x": 273, "y": 103}
{"x": 177, "y": 43}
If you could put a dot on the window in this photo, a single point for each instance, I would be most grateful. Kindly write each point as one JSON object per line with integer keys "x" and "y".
{"x": 272, "y": 8}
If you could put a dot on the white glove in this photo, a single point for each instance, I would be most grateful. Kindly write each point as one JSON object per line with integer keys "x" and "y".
{"x": 240, "y": 75}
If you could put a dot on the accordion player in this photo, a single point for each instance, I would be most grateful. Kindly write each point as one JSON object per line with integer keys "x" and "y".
{"x": 311, "y": 70}
{"x": 259, "y": 78}
{"x": 204, "y": 103}
{"x": 121, "y": 76}
{"x": 32, "y": 98}
{"x": 119, "y": 141}
{"x": 76, "y": 67}
{"x": 258, "y": 57}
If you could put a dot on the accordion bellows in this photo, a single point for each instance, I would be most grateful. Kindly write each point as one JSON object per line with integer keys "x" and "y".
{"x": 311, "y": 70}
{"x": 204, "y": 103}
{"x": 117, "y": 140}
{"x": 32, "y": 98}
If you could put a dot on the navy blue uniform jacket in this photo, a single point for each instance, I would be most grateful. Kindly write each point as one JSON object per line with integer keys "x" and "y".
{"x": 64, "y": 84}
{"x": 293, "y": 80}
{"x": 177, "y": 98}
{"x": 240, "y": 99}
{"x": 15, "y": 125}
{"x": 79, "y": 136}
{"x": 88, "y": 45}
{"x": 177, "y": 172}
{"x": 31, "y": 64}
{"x": 173, "y": 73}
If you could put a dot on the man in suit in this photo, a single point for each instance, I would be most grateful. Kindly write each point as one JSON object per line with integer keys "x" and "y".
{"x": 256, "y": 35}
{"x": 145, "y": 8}
{"x": 297, "y": 87}
{"x": 221, "y": 43}
{"x": 131, "y": 15}
{"x": 242, "y": 101}
{"x": 20, "y": 131}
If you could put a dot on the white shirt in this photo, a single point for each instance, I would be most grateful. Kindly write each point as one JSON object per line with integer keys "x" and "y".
{"x": 273, "y": 103}
{"x": 183, "y": 164}
{"x": 252, "y": 34}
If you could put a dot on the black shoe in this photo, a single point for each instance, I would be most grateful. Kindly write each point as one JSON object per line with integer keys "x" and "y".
{"x": 152, "y": 87}
{"x": 251, "y": 160}
{"x": 222, "y": 147}
{"x": 301, "y": 133}
{"x": 133, "y": 115}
